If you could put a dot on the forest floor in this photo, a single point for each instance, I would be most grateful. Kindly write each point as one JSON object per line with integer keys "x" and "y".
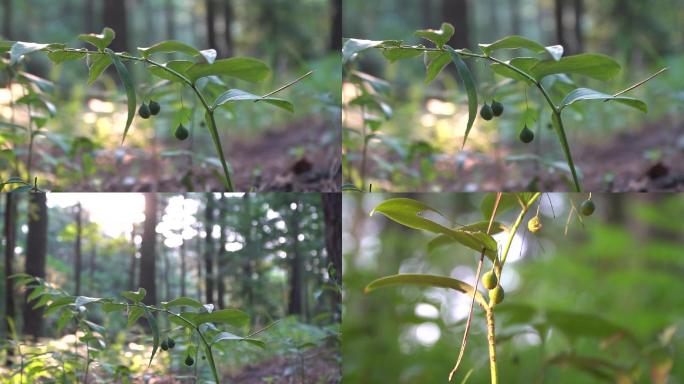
{"x": 303, "y": 156}
{"x": 620, "y": 164}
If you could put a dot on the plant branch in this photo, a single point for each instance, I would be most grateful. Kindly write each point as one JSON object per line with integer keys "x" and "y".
{"x": 514, "y": 229}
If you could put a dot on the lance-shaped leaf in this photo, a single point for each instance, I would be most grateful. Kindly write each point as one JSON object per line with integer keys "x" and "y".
{"x": 98, "y": 63}
{"x": 244, "y": 68}
{"x": 234, "y": 95}
{"x": 427, "y": 280}
{"x": 469, "y": 85}
{"x": 435, "y": 62}
{"x": 353, "y": 46}
{"x": 410, "y": 213}
{"x": 134, "y": 314}
{"x": 227, "y": 316}
{"x": 523, "y": 64}
{"x": 223, "y": 336}
{"x": 130, "y": 91}
{"x": 437, "y": 36}
{"x": 135, "y": 297}
{"x": 21, "y": 48}
{"x": 102, "y": 40}
{"x": 517, "y": 42}
{"x": 399, "y": 53}
{"x": 60, "y": 56}
{"x": 182, "y": 302}
{"x": 178, "y": 66}
{"x": 470, "y": 235}
{"x": 152, "y": 321}
{"x": 169, "y": 46}
{"x": 580, "y": 94}
{"x": 596, "y": 66}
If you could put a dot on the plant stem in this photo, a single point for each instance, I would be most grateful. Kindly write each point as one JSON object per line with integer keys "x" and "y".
{"x": 560, "y": 130}
{"x": 491, "y": 342}
{"x": 514, "y": 229}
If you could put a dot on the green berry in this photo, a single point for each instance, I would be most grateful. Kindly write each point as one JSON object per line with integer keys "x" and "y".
{"x": 587, "y": 208}
{"x": 534, "y": 225}
{"x": 171, "y": 343}
{"x": 489, "y": 280}
{"x": 496, "y": 295}
{"x": 155, "y": 108}
{"x": 144, "y": 111}
{"x": 189, "y": 361}
{"x": 526, "y": 135}
{"x": 486, "y": 112}
{"x": 181, "y": 133}
{"x": 164, "y": 346}
{"x": 497, "y": 108}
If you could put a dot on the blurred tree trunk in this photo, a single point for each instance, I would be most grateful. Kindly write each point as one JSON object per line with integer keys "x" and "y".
{"x": 209, "y": 220}
{"x": 228, "y": 21}
{"x": 560, "y": 28}
{"x": 198, "y": 255}
{"x": 183, "y": 268}
{"x": 249, "y": 252}
{"x": 10, "y": 232}
{"x": 336, "y": 32}
{"x": 456, "y": 13}
{"x": 114, "y": 16}
{"x": 516, "y": 24}
{"x": 89, "y": 16}
{"x": 132, "y": 263}
{"x": 426, "y": 13}
{"x": 170, "y": 16}
{"x": 77, "y": 249}
{"x": 91, "y": 270}
{"x": 295, "y": 302}
{"x": 579, "y": 14}
{"x": 36, "y": 250}
{"x": 148, "y": 250}
{"x": 167, "y": 270}
{"x": 211, "y": 25}
{"x": 221, "y": 254}
{"x": 149, "y": 38}
{"x": 493, "y": 27}
{"x": 332, "y": 206}
{"x": 7, "y": 19}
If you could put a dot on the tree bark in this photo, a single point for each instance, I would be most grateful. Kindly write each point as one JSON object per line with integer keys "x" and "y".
{"x": 579, "y": 14}
{"x": 148, "y": 250}
{"x": 10, "y": 232}
{"x": 91, "y": 270}
{"x": 516, "y": 23}
{"x": 170, "y": 15}
{"x": 332, "y": 206}
{"x": 560, "y": 28}
{"x": 36, "y": 252}
{"x": 211, "y": 24}
{"x": 89, "y": 16}
{"x": 114, "y": 16}
{"x": 132, "y": 262}
{"x": 295, "y": 306}
{"x": 336, "y": 31}
{"x": 77, "y": 248}
{"x": 228, "y": 17}
{"x": 183, "y": 268}
{"x": 7, "y": 19}
{"x": 456, "y": 13}
{"x": 221, "y": 255}
{"x": 209, "y": 249}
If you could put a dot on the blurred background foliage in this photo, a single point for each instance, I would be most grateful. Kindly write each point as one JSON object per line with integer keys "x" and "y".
{"x": 419, "y": 146}
{"x": 600, "y": 304}
{"x": 291, "y": 37}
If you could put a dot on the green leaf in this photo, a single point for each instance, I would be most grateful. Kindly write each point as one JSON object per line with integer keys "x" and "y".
{"x": 179, "y": 66}
{"x": 481, "y": 226}
{"x": 471, "y": 90}
{"x": 516, "y": 42}
{"x": 439, "y": 37}
{"x": 209, "y": 55}
{"x": 428, "y": 280}
{"x": 152, "y": 321}
{"x": 169, "y": 46}
{"x": 98, "y": 64}
{"x": 576, "y": 324}
{"x": 21, "y": 48}
{"x": 130, "y": 91}
{"x": 102, "y": 40}
{"x": 135, "y": 297}
{"x": 507, "y": 202}
{"x": 580, "y": 94}
{"x": 399, "y": 53}
{"x": 111, "y": 307}
{"x": 233, "y": 95}
{"x": 229, "y": 336}
{"x": 58, "y": 57}
{"x": 228, "y": 316}
{"x": 524, "y": 64}
{"x": 180, "y": 302}
{"x": 436, "y": 65}
{"x": 64, "y": 319}
{"x": 84, "y": 300}
{"x": 596, "y": 66}
{"x": 244, "y": 68}
{"x": 57, "y": 304}
{"x": 134, "y": 314}
{"x": 353, "y": 46}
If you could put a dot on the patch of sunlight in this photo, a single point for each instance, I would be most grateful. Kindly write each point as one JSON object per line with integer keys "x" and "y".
{"x": 428, "y": 120}
{"x": 427, "y": 311}
{"x": 439, "y": 107}
{"x": 517, "y": 249}
{"x": 114, "y": 212}
{"x": 427, "y": 334}
{"x": 136, "y": 347}
{"x": 8, "y": 95}
{"x": 99, "y": 106}
{"x": 89, "y": 118}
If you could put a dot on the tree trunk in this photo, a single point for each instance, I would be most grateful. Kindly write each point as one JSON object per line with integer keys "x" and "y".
{"x": 493, "y": 27}
{"x": 132, "y": 263}
{"x": 170, "y": 15}
{"x": 209, "y": 249}
{"x": 336, "y": 31}
{"x": 456, "y": 13}
{"x": 7, "y": 19}
{"x": 221, "y": 255}
{"x": 228, "y": 20}
{"x": 579, "y": 38}
{"x": 332, "y": 206}
{"x": 427, "y": 14}
{"x": 211, "y": 25}
{"x": 148, "y": 250}
{"x": 77, "y": 249}
{"x": 295, "y": 306}
{"x": 516, "y": 23}
{"x": 560, "y": 28}
{"x": 91, "y": 271}
{"x": 183, "y": 268}
{"x": 114, "y": 17}
{"x": 10, "y": 230}
{"x": 89, "y": 16}
{"x": 36, "y": 252}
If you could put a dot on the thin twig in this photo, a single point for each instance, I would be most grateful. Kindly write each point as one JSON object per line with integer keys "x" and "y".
{"x": 300, "y": 78}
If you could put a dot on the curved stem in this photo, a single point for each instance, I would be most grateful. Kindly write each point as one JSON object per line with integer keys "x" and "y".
{"x": 560, "y": 130}
{"x": 514, "y": 229}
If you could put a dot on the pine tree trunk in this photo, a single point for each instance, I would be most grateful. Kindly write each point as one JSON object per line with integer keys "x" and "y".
{"x": 36, "y": 252}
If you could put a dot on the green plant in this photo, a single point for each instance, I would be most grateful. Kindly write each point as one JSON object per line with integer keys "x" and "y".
{"x": 476, "y": 236}
{"x": 546, "y": 72}
{"x": 195, "y": 322}
{"x": 200, "y": 75}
